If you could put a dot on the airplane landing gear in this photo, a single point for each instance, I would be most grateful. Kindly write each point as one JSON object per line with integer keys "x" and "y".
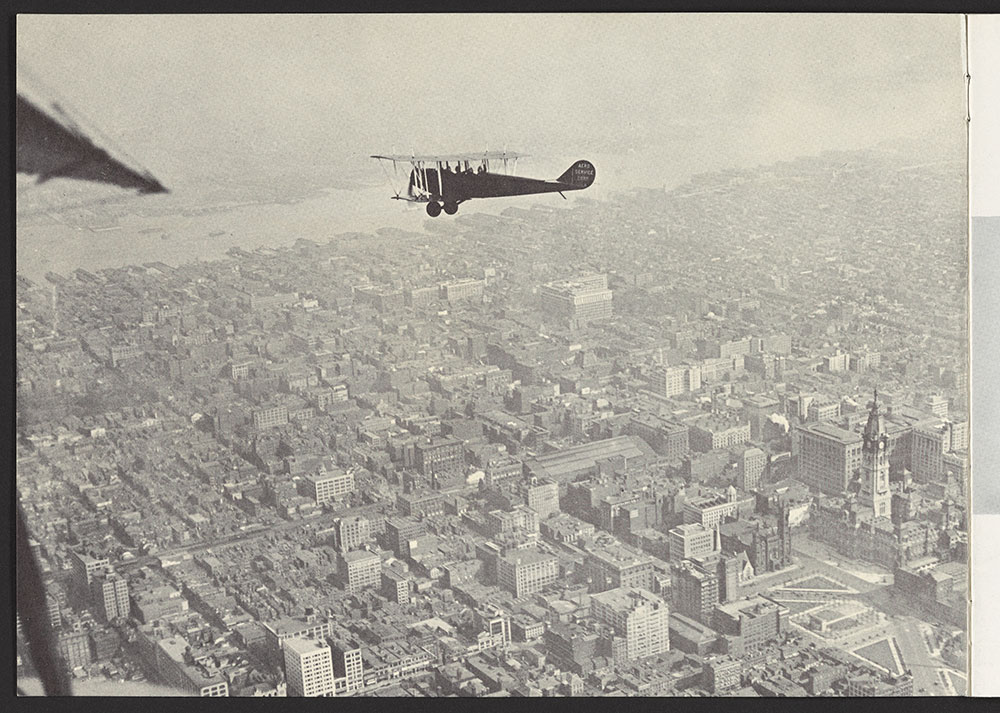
{"x": 433, "y": 209}
{"x": 451, "y": 208}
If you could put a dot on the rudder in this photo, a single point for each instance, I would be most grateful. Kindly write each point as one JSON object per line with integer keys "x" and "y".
{"x": 580, "y": 175}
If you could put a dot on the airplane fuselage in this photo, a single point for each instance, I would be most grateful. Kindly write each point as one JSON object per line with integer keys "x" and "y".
{"x": 459, "y": 187}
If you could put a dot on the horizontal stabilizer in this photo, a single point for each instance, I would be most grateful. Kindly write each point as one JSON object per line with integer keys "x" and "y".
{"x": 580, "y": 175}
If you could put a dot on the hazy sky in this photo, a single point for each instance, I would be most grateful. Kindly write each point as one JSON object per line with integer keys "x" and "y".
{"x": 189, "y": 93}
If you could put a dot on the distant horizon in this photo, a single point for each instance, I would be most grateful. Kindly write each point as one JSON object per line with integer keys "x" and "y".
{"x": 376, "y": 213}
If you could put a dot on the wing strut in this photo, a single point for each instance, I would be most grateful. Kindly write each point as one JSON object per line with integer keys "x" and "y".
{"x": 388, "y": 178}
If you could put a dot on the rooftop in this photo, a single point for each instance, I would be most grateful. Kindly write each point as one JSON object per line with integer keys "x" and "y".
{"x": 830, "y": 431}
{"x": 291, "y": 625}
{"x": 305, "y": 646}
{"x": 627, "y": 598}
{"x": 563, "y": 462}
{"x": 753, "y": 605}
{"x": 528, "y": 557}
{"x": 618, "y": 556}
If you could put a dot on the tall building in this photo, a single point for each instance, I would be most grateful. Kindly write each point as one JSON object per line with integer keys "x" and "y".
{"x": 710, "y": 510}
{"x": 863, "y": 361}
{"x": 615, "y": 566}
{"x": 930, "y": 442}
{"x": 441, "y": 458}
{"x": 308, "y": 667}
{"x": 119, "y": 353}
{"x": 734, "y": 570}
{"x": 721, "y": 370}
{"x": 278, "y": 631}
{"x": 870, "y": 685}
{"x": 694, "y": 589}
{"x": 421, "y": 296}
{"x": 736, "y": 347}
{"x": 758, "y": 410}
{"x": 462, "y": 290}
{"x": 691, "y": 540}
{"x": 874, "y": 492}
{"x": 109, "y": 595}
{"x": 827, "y": 456}
{"x": 541, "y": 495}
{"x": 667, "y": 438}
{"x": 240, "y": 370}
{"x": 359, "y": 570}
{"x": 579, "y": 301}
{"x": 721, "y": 674}
{"x": 327, "y": 486}
{"x": 750, "y": 469}
{"x": 270, "y": 417}
{"x": 521, "y": 519}
{"x": 957, "y": 464}
{"x": 84, "y": 568}
{"x": 348, "y": 661}
{"x": 776, "y": 344}
{"x": 712, "y": 431}
{"x": 937, "y": 405}
{"x": 638, "y": 615}
{"x": 675, "y": 380}
{"x": 571, "y": 647}
{"x": 756, "y": 620}
{"x": 399, "y": 531}
{"x": 525, "y": 572}
{"x": 54, "y": 610}
{"x": 823, "y": 410}
{"x": 74, "y": 648}
{"x": 420, "y": 503}
{"x": 494, "y": 627}
{"x": 351, "y": 532}
{"x": 836, "y": 363}
{"x": 395, "y": 585}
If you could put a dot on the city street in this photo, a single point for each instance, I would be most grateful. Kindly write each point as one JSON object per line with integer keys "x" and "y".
{"x": 918, "y": 659}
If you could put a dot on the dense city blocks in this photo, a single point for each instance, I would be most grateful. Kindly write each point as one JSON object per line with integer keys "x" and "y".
{"x": 704, "y": 441}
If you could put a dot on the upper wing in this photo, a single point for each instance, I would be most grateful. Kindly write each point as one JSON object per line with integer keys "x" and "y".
{"x": 51, "y": 146}
{"x": 488, "y": 155}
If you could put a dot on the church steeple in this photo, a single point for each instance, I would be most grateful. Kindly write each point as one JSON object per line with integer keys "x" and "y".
{"x": 875, "y": 470}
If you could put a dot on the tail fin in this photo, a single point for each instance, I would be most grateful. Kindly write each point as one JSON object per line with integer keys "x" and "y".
{"x": 579, "y": 175}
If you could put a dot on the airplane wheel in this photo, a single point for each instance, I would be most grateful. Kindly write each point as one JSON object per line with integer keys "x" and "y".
{"x": 433, "y": 209}
{"x": 451, "y": 208}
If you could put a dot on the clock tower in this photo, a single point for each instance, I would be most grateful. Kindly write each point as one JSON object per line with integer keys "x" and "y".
{"x": 875, "y": 492}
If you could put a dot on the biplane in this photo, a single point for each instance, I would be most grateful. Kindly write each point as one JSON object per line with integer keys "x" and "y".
{"x": 445, "y": 182}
